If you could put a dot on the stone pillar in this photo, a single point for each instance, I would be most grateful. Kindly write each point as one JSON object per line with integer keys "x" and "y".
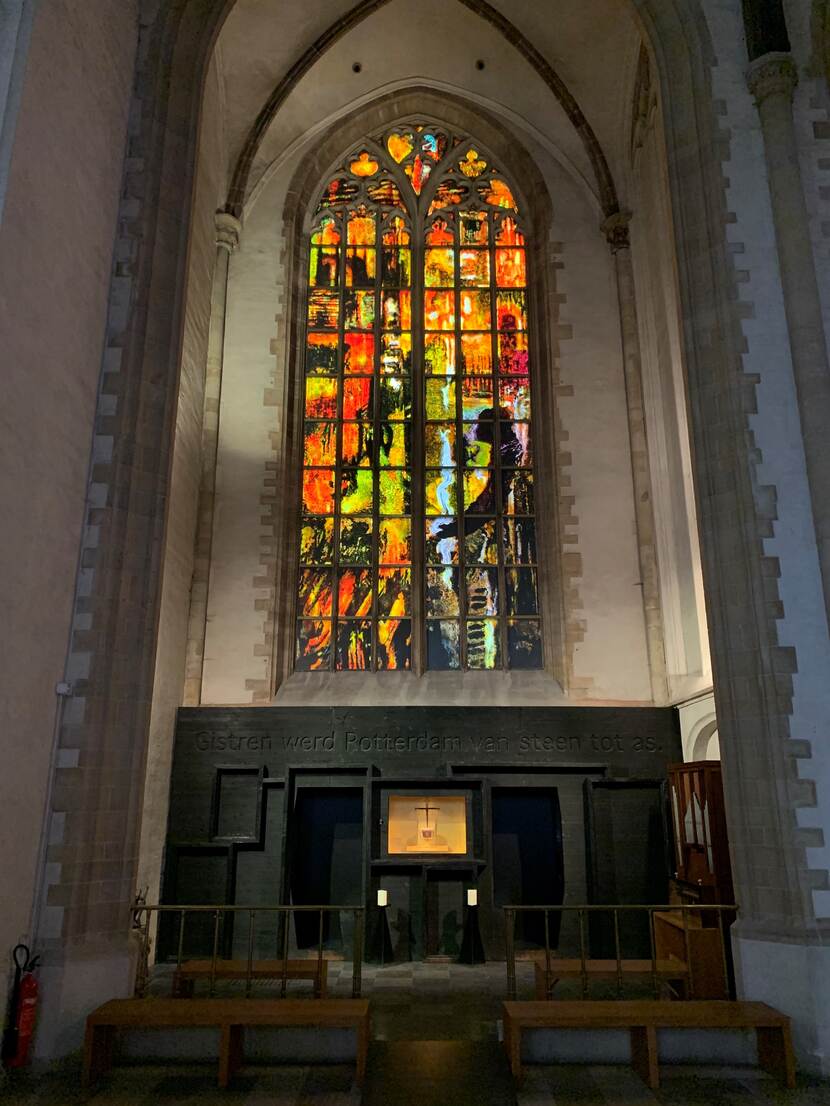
{"x": 615, "y": 229}
{"x": 772, "y": 79}
{"x": 228, "y": 228}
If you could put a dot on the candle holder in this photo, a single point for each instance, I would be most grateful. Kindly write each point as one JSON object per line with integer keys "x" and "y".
{"x": 379, "y": 949}
{"x": 472, "y": 947}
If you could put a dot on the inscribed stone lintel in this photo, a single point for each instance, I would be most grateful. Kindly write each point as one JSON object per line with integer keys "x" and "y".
{"x": 637, "y": 741}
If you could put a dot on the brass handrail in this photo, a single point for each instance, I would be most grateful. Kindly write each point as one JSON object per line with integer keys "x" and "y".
{"x": 512, "y": 911}
{"x": 143, "y": 913}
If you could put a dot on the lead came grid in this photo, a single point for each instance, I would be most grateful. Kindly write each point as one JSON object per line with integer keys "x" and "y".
{"x": 466, "y": 460}
{"x": 480, "y": 585}
{"x": 354, "y": 590}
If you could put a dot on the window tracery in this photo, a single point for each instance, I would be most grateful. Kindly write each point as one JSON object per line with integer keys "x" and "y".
{"x": 418, "y": 537}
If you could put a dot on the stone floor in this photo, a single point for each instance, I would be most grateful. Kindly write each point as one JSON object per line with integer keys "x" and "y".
{"x": 435, "y": 1044}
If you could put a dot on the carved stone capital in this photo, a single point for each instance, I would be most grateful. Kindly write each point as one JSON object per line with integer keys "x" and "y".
{"x": 772, "y": 75}
{"x": 615, "y": 229}
{"x": 228, "y": 229}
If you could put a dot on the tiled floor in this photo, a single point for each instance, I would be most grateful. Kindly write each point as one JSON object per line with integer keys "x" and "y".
{"x": 435, "y": 1044}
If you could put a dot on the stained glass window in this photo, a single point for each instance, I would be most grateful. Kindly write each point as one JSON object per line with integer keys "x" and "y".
{"x": 418, "y": 543}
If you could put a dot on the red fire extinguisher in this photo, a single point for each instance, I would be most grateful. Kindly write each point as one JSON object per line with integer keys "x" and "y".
{"x": 17, "y": 1038}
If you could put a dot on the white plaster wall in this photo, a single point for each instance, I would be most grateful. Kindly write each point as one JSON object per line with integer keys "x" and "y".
{"x": 688, "y": 666}
{"x": 211, "y": 184}
{"x": 55, "y": 262}
{"x": 255, "y": 290}
{"x": 777, "y": 429}
{"x": 612, "y": 659}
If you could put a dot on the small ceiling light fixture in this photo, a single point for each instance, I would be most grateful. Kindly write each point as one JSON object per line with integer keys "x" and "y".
{"x": 479, "y": 64}
{"x": 356, "y": 68}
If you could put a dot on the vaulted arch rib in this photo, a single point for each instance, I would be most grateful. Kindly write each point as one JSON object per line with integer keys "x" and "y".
{"x": 239, "y": 181}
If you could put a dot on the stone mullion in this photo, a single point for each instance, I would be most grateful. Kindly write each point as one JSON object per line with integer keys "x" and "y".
{"x": 616, "y": 231}
{"x": 228, "y": 229}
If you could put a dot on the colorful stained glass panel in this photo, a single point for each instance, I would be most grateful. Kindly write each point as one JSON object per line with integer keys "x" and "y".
{"x": 514, "y": 397}
{"x": 354, "y": 646}
{"x": 524, "y": 643}
{"x": 477, "y": 353}
{"x": 394, "y": 445}
{"x": 314, "y": 593}
{"x": 439, "y": 444}
{"x": 474, "y": 228}
{"x": 519, "y": 493}
{"x": 481, "y": 545}
{"x": 320, "y": 398}
{"x": 521, "y": 591}
{"x": 394, "y": 644}
{"x": 395, "y": 398}
{"x": 439, "y": 354}
{"x": 443, "y": 645}
{"x": 519, "y": 541}
{"x": 397, "y": 310}
{"x": 357, "y": 397}
{"x": 313, "y": 645}
{"x": 483, "y": 644}
{"x": 318, "y": 492}
{"x": 475, "y": 310}
{"x": 442, "y": 592}
{"x": 441, "y": 541}
{"x": 354, "y": 592}
{"x": 513, "y": 355}
{"x": 357, "y": 444}
{"x": 439, "y": 310}
{"x": 510, "y": 309}
{"x": 440, "y": 492}
{"x": 321, "y": 354}
{"x": 482, "y": 591}
{"x": 355, "y": 541}
{"x": 359, "y": 307}
{"x": 394, "y": 588}
{"x": 356, "y": 492}
{"x": 395, "y": 541}
{"x": 360, "y": 268}
{"x": 439, "y": 267}
{"x": 317, "y": 541}
{"x": 440, "y": 397}
{"x": 511, "y": 269}
{"x": 395, "y": 352}
{"x": 474, "y": 268}
{"x": 320, "y": 443}
{"x": 322, "y": 267}
{"x": 477, "y": 398}
{"x": 323, "y": 308}
{"x": 395, "y": 492}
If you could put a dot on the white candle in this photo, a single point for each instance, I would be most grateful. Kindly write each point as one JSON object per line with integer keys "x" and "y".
{"x": 383, "y": 897}
{"x": 472, "y": 898}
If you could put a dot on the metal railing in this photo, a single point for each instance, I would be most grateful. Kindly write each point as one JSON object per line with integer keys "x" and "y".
{"x": 143, "y": 916}
{"x": 657, "y": 971}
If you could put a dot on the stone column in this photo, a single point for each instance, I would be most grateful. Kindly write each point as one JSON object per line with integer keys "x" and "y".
{"x": 228, "y": 229}
{"x": 615, "y": 229}
{"x": 772, "y": 79}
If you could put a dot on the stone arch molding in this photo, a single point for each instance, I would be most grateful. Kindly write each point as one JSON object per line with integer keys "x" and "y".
{"x": 308, "y": 59}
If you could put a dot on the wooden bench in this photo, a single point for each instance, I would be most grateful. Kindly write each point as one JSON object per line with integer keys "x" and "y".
{"x": 643, "y": 1018}
{"x": 186, "y": 974}
{"x": 229, "y": 1015}
{"x": 670, "y": 970}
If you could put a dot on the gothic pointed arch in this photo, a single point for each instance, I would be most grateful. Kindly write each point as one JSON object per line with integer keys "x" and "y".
{"x": 418, "y": 545}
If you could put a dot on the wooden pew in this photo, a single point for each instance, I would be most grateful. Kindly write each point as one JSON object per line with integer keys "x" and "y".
{"x": 230, "y": 1015}
{"x": 644, "y": 1017}
{"x": 186, "y": 974}
{"x": 669, "y": 970}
